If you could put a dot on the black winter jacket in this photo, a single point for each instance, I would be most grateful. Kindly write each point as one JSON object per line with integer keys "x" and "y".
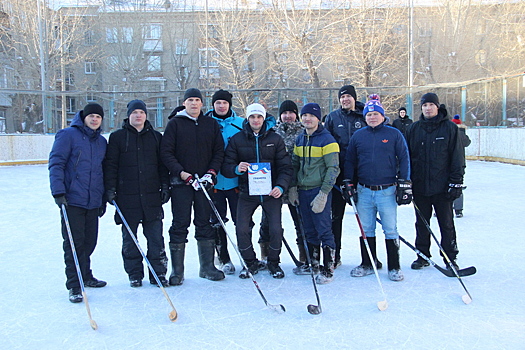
{"x": 267, "y": 147}
{"x": 402, "y": 124}
{"x": 193, "y": 146}
{"x": 342, "y": 124}
{"x": 436, "y": 154}
{"x": 133, "y": 168}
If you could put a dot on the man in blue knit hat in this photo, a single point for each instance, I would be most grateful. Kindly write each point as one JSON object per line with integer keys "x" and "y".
{"x": 376, "y": 153}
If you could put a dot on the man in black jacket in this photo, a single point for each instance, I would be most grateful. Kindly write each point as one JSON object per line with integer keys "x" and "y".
{"x": 138, "y": 181}
{"x": 438, "y": 165}
{"x": 342, "y": 123}
{"x": 192, "y": 145}
{"x": 259, "y": 158}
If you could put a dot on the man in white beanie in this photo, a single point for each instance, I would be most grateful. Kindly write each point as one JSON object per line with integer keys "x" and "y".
{"x": 258, "y": 157}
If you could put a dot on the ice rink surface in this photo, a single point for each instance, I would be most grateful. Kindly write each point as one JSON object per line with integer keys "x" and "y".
{"x": 425, "y": 310}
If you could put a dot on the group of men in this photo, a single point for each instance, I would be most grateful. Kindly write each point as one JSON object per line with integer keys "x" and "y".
{"x": 243, "y": 163}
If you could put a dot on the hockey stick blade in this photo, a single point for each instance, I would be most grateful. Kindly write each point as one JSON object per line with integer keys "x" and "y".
{"x": 467, "y": 271}
{"x": 466, "y": 299}
{"x": 314, "y": 309}
{"x": 382, "y": 305}
{"x": 277, "y": 308}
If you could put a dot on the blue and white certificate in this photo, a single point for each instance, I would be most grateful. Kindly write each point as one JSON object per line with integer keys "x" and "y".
{"x": 259, "y": 179}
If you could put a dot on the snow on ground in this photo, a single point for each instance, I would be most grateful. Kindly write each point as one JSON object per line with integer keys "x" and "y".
{"x": 425, "y": 310}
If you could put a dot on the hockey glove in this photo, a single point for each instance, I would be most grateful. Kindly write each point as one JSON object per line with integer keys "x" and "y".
{"x": 209, "y": 179}
{"x": 111, "y": 195}
{"x": 102, "y": 210}
{"x": 403, "y": 192}
{"x": 349, "y": 191}
{"x": 165, "y": 194}
{"x": 319, "y": 202}
{"x": 454, "y": 191}
{"x": 61, "y": 199}
{"x": 293, "y": 196}
{"x": 190, "y": 181}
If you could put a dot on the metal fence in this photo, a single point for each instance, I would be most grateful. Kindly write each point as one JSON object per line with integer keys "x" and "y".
{"x": 498, "y": 101}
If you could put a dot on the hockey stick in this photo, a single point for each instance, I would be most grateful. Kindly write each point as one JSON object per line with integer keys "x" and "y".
{"x": 173, "y": 314}
{"x": 381, "y": 305}
{"x": 467, "y": 299}
{"x": 312, "y": 309}
{"x": 276, "y": 308}
{"x": 79, "y": 273}
{"x": 462, "y": 272}
{"x": 292, "y": 255}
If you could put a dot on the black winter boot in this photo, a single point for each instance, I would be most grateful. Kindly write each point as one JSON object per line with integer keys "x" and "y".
{"x": 392, "y": 251}
{"x": 327, "y": 272}
{"x": 206, "y": 256}
{"x": 302, "y": 253}
{"x": 366, "y": 268}
{"x": 177, "y": 263}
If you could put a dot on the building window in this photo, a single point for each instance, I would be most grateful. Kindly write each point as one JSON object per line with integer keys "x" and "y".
{"x": 71, "y": 105}
{"x": 152, "y": 31}
{"x": 181, "y": 47}
{"x": 127, "y": 35}
{"x": 90, "y": 97}
{"x": 89, "y": 67}
{"x": 154, "y": 64}
{"x": 111, "y": 35}
{"x": 208, "y": 57}
{"x": 70, "y": 78}
{"x": 89, "y": 37}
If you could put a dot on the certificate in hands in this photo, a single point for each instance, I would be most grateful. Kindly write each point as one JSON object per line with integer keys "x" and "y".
{"x": 259, "y": 179}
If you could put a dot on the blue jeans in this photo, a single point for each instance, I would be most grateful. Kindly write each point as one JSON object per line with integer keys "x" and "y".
{"x": 317, "y": 227}
{"x": 369, "y": 203}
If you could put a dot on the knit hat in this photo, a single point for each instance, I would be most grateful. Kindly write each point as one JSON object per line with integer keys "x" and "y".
{"x": 347, "y": 89}
{"x": 255, "y": 108}
{"x": 431, "y": 98}
{"x": 288, "y": 106}
{"x": 402, "y": 109}
{"x": 92, "y": 108}
{"x": 312, "y": 108}
{"x": 192, "y": 92}
{"x": 136, "y": 104}
{"x": 456, "y": 119}
{"x": 373, "y": 104}
{"x": 222, "y": 95}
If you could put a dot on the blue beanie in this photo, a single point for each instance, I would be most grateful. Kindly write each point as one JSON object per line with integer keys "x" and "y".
{"x": 373, "y": 104}
{"x": 312, "y": 108}
{"x": 136, "y": 104}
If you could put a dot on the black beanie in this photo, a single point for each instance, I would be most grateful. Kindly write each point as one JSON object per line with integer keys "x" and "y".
{"x": 402, "y": 109}
{"x": 430, "y": 97}
{"x": 347, "y": 89}
{"x": 192, "y": 92}
{"x": 136, "y": 104}
{"x": 288, "y": 105}
{"x": 222, "y": 95}
{"x": 92, "y": 108}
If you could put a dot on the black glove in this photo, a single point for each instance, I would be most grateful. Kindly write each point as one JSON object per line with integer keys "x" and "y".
{"x": 403, "y": 192}
{"x": 102, "y": 210}
{"x": 349, "y": 191}
{"x": 454, "y": 191}
{"x": 111, "y": 195}
{"x": 61, "y": 199}
{"x": 165, "y": 194}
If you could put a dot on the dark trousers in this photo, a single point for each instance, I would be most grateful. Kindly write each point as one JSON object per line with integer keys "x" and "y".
{"x": 272, "y": 209}
{"x": 84, "y": 229}
{"x": 183, "y": 199}
{"x": 338, "y": 212}
{"x": 317, "y": 227}
{"x": 443, "y": 208}
{"x": 264, "y": 231}
{"x": 223, "y": 199}
{"x": 156, "y": 252}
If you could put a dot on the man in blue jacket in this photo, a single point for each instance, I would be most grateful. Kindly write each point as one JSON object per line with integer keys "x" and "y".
{"x": 76, "y": 178}
{"x": 225, "y": 191}
{"x": 376, "y": 153}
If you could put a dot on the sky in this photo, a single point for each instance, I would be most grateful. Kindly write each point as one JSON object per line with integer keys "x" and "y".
{"x": 425, "y": 310}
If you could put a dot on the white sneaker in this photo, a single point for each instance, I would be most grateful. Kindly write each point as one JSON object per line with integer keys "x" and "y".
{"x": 228, "y": 268}
{"x": 361, "y": 271}
{"x": 396, "y": 275}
